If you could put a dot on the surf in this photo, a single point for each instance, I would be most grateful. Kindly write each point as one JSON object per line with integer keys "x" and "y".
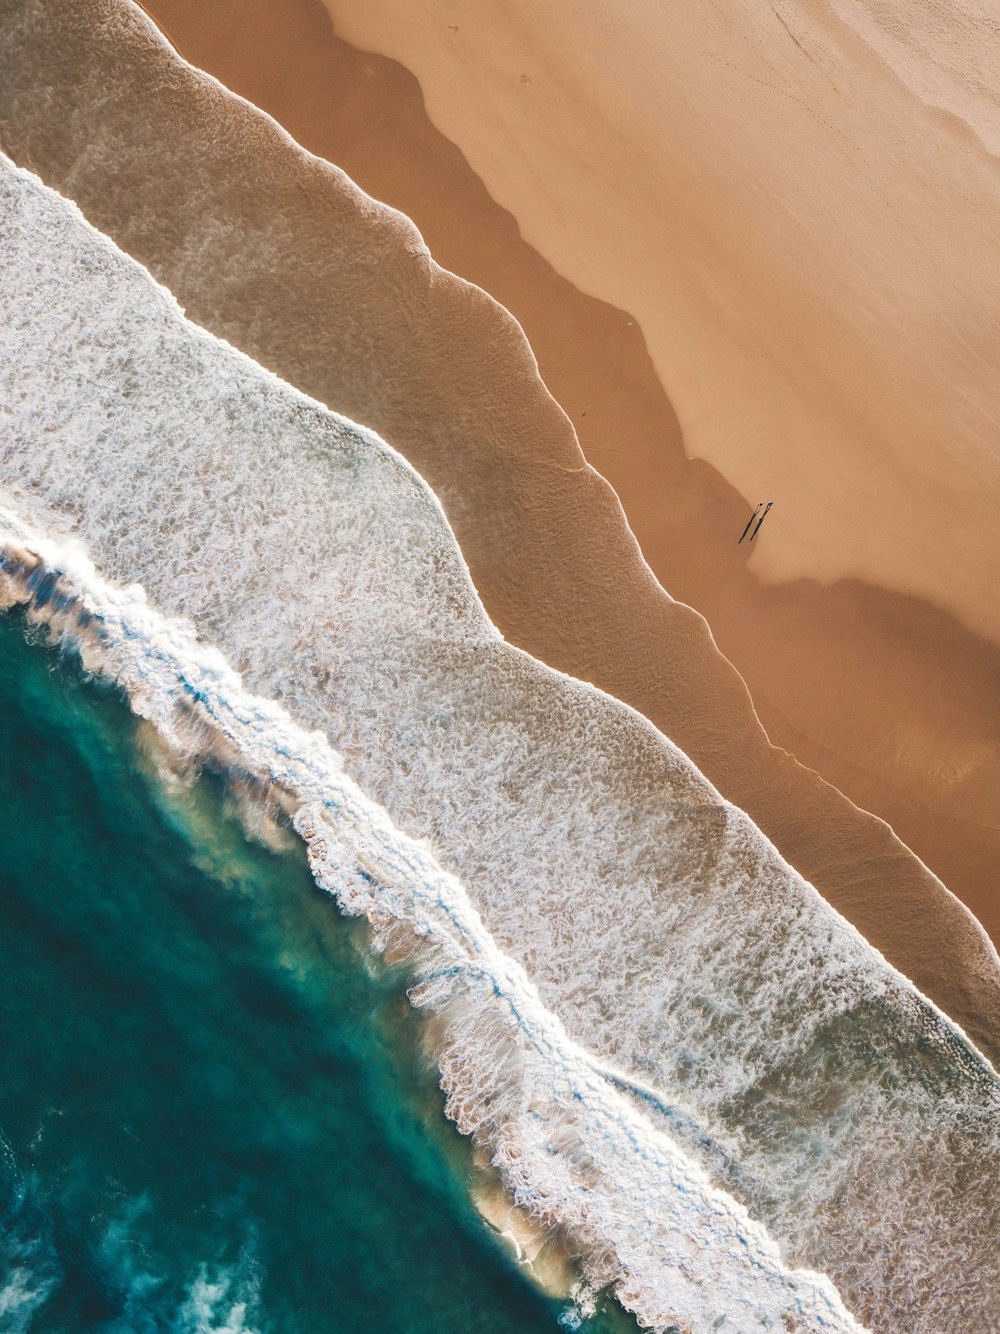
{"x": 638, "y": 1215}
{"x": 654, "y": 1025}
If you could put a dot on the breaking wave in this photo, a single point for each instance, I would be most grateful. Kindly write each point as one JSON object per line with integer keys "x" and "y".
{"x": 574, "y": 1153}
{"x": 635, "y": 1001}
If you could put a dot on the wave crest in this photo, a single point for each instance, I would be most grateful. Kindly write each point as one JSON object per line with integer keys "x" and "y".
{"x": 573, "y": 1152}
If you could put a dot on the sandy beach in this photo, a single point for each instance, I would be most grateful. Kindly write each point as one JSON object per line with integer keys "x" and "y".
{"x": 807, "y": 241}
{"x": 811, "y": 253}
{"x": 897, "y": 708}
{"x": 545, "y": 537}
{"x": 500, "y": 668}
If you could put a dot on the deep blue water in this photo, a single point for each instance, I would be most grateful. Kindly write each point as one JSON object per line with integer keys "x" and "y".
{"x": 213, "y": 1108}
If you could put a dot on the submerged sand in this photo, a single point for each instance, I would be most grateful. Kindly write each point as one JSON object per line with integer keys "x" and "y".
{"x": 284, "y": 264}
{"x": 891, "y": 699}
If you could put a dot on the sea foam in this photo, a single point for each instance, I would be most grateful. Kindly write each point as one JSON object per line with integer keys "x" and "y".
{"x": 283, "y": 255}
{"x": 574, "y": 1153}
{"x": 677, "y": 965}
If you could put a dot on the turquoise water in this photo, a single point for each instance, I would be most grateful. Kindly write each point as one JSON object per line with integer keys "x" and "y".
{"x": 213, "y": 1110}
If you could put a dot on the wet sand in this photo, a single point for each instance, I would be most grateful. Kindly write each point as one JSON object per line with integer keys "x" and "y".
{"x": 337, "y": 296}
{"x": 890, "y": 699}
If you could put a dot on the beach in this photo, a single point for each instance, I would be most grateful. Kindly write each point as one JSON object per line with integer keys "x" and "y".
{"x": 499, "y": 667}
{"x": 897, "y": 706}
{"x": 810, "y": 253}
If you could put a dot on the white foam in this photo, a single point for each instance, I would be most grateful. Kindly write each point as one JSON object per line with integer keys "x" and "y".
{"x": 210, "y": 1306}
{"x": 29, "y": 1279}
{"x": 214, "y": 1299}
{"x": 571, "y": 1149}
{"x": 661, "y": 930}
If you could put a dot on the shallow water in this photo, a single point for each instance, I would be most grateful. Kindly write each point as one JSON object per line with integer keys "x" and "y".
{"x": 214, "y": 1112}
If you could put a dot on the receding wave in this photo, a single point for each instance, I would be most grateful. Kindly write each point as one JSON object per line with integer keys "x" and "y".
{"x": 660, "y": 931}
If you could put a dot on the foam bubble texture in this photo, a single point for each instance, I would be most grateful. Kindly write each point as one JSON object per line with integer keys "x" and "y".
{"x": 656, "y": 922}
{"x": 574, "y": 1153}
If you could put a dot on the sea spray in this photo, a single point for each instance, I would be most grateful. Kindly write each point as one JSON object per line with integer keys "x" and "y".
{"x": 658, "y": 926}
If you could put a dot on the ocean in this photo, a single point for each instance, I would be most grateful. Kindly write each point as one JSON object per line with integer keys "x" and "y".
{"x": 215, "y": 1114}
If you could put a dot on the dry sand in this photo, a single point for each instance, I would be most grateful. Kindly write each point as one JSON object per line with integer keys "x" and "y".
{"x": 335, "y": 294}
{"x": 810, "y": 247}
{"x": 891, "y": 700}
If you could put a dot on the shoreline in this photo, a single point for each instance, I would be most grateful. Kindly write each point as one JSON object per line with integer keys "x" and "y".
{"x": 400, "y": 345}
{"x": 735, "y": 990}
{"x": 898, "y": 696}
